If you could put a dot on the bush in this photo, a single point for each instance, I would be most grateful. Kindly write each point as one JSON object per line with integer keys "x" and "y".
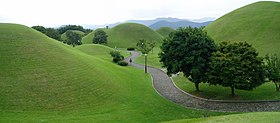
{"x": 116, "y": 56}
{"x": 122, "y": 63}
{"x": 130, "y": 48}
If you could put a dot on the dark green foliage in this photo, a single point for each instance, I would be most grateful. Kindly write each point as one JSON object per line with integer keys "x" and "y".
{"x": 130, "y": 48}
{"x": 100, "y": 37}
{"x": 236, "y": 65}
{"x": 73, "y": 38}
{"x": 116, "y": 56}
{"x": 122, "y": 63}
{"x": 144, "y": 46}
{"x": 40, "y": 29}
{"x": 52, "y": 33}
{"x": 188, "y": 50}
{"x": 72, "y": 27}
{"x": 272, "y": 64}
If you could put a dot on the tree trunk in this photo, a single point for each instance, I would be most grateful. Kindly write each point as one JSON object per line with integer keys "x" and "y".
{"x": 277, "y": 86}
{"x": 232, "y": 90}
{"x": 197, "y": 86}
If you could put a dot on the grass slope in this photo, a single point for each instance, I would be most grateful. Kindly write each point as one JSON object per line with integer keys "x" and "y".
{"x": 43, "y": 80}
{"x": 164, "y": 31}
{"x": 64, "y": 38}
{"x": 127, "y": 35}
{"x": 257, "y": 24}
{"x": 260, "y": 117}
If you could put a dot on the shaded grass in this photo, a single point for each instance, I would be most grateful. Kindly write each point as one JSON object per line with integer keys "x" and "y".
{"x": 263, "y": 92}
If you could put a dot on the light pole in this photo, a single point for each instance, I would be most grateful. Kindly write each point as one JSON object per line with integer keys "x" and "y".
{"x": 145, "y": 63}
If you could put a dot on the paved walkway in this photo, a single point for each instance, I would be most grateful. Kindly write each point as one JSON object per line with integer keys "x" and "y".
{"x": 166, "y": 88}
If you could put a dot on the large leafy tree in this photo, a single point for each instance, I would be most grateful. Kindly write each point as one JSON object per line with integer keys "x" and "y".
{"x": 73, "y": 38}
{"x": 272, "y": 63}
{"x": 100, "y": 37}
{"x": 40, "y": 29}
{"x": 236, "y": 65}
{"x": 188, "y": 50}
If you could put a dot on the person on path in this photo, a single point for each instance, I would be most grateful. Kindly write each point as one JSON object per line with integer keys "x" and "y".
{"x": 130, "y": 60}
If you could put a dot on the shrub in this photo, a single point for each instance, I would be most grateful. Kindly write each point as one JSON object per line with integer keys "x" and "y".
{"x": 116, "y": 56}
{"x": 130, "y": 48}
{"x": 122, "y": 63}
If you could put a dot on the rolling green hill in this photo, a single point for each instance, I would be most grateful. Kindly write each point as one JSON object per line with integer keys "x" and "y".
{"x": 164, "y": 31}
{"x": 43, "y": 80}
{"x": 127, "y": 35}
{"x": 64, "y": 38}
{"x": 257, "y": 24}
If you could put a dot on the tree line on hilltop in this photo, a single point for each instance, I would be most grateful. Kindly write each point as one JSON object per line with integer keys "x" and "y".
{"x": 55, "y": 33}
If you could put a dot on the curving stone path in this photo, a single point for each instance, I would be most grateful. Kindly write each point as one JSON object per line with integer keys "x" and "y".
{"x": 166, "y": 88}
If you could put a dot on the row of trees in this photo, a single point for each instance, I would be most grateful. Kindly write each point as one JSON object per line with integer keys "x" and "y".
{"x": 235, "y": 65}
{"x": 72, "y": 38}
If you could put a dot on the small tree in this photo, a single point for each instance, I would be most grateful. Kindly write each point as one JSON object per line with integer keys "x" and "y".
{"x": 236, "y": 65}
{"x": 73, "y": 38}
{"x": 145, "y": 47}
{"x": 100, "y": 37}
{"x": 272, "y": 64}
{"x": 188, "y": 50}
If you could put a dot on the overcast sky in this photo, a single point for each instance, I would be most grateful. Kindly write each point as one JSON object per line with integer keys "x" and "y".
{"x": 60, "y": 12}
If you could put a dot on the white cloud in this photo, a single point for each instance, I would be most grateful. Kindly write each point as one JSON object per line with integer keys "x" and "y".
{"x": 59, "y": 12}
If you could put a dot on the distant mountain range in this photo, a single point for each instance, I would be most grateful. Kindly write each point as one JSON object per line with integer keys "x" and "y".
{"x": 161, "y": 22}
{"x": 178, "y": 24}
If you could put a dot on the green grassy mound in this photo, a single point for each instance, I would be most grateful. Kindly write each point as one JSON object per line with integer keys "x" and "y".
{"x": 257, "y": 24}
{"x": 64, "y": 38}
{"x": 260, "y": 117}
{"x": 127, "y": 35}
{"x": 164, "y": 31}
{"x": 43, "y": 80}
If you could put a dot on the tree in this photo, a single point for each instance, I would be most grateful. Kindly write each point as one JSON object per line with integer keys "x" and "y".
{"x": 63, "y": 29}
{"x": 100, "y": 37}
{"x": 145, "y": 47}
{"x": 236, "y": 65}
{"x": 73, "y": 38}
{"x": 188, "y": 50}
{"x": 40, "y": 29}
{"x": 52, "y": 33}
{"x": 272, "y": 64}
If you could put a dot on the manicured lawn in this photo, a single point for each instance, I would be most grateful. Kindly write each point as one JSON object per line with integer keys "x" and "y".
{"x": 257, "y": 117}
{"x": 153, "y": 59}
{"x": 43, "y": 80}
{"x": 264, "y": 92}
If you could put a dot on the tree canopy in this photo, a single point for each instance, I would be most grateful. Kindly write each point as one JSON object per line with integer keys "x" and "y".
{"x": 236, "y": 65}
{"x": 73, "y": 38}
{"x": 144, "y": 46}
{"x": 100, "y": 37}
{"x": 188, "y": 50}
{"x": 272, "y": 63}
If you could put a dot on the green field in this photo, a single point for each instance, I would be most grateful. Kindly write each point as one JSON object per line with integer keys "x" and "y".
{"x": 126, "y": 35}
{"x": 264, "y": 92}
{"x": 164, "y": 31}
{"x": 256, "y": 117}
{"x": 257, "y": 24}
{"x": 64, "y": 38}
{"x": 43, "y": 80}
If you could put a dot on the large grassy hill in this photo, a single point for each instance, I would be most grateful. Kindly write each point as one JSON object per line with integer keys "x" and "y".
{"x": 127, "y": 35}
{"x": 257, "y": 24}
{"x": 43, "y": 80}
{"x": 164, "y": 31}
